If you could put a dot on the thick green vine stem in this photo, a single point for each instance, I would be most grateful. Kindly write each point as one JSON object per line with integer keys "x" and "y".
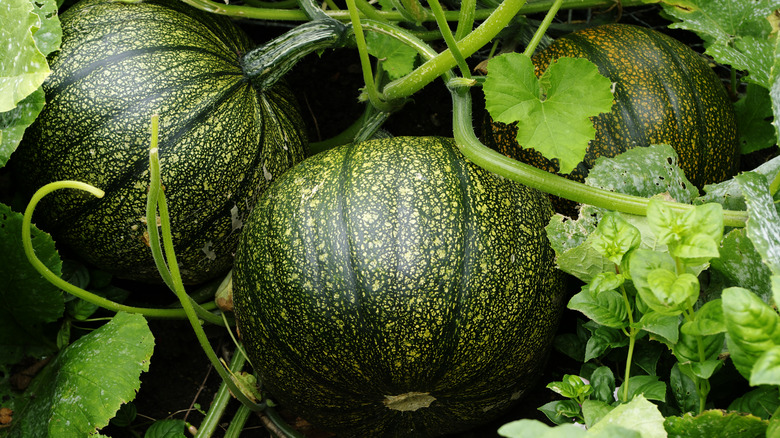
{"x": 265, "y": 65}
{"x": 280, "y": 13}
{"x": 529, "y": 50}
{"x": 438, "y": 65}
{"x": 178, "y": 289}
{"x": 220, "y": 402}
{"x": 56, "y": 280}
{"x": 539, "y": 179}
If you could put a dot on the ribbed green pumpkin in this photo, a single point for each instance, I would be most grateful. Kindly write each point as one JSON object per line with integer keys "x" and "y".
{"x": 221, "y": 141}
{"x": 664, "y": 93}
{"x": 392, "y": 288}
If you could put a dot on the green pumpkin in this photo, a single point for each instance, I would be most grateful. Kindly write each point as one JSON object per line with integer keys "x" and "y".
{"x": 664, "y": 93}
{"x": 221, "y": 141}
{"x": 392, "y": 288}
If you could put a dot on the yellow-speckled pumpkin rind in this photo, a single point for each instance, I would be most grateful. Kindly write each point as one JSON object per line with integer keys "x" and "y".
{"x": 221, "y": 142}
{"x": 664, "y": 93}
{"x": 396, "y": 267}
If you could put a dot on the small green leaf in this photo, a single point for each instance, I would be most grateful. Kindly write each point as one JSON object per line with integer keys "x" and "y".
{"x": 708, "y": 320}
{"x": 687, "y": 348}
{"x": 666, "y": 326}
{"x": 603, "y": 339}
{"x": 571, "y": 386}
{"x": 761, "y": 402}
{"x": 766, "y": 370}
{"x": 68, "y": 399}
{"x": 606, "y": 308}
{"x": 560, "y": 411}
{"x": 693, "y": 234}
{"x": 614, "y": 237}
{"x": 643, "y": 262}
{"x": 536, "y": 429}
{"x": 553, "y": 112}
{"x": 763, "y": 226}
{"x": 637, "y": 415}
{"x": 752, "y": 326}
{"x": 674, "y": 292}
{"x": 605, "y": 281}
{"x": 125, "y": 416}
{"x": 647, "y": 354}
{"x": 603, "y": 382}
{"x": 716, "y": 423}
{"x": 167, "y": 429}
{"x": 648, "y": 386}
{"x": 684, "y": 389}
{"x": 397, "y": 58}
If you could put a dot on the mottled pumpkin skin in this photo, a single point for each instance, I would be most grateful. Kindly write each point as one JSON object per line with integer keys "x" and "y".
{"x": 664, "y": 93}
{"x": 392, "y": 288}
{"x": 221, "y": 142}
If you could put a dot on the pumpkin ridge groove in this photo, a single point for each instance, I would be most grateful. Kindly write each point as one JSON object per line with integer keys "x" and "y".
{"x": 142, "y": 162}
{"x": 80, "y": 74}
{"x": 468, "y": 232}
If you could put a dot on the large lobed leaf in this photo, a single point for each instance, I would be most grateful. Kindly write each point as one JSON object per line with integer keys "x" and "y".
{"x": 739, "y": 34}
{"x": 29, "y": 301}
{"x": 30, "y": 31}
{"x": 554, "y": 111}
{"x": 84, "y": 386}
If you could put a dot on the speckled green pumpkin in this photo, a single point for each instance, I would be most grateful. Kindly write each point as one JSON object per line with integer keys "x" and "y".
{"x": 664, "y": 93}
{"x": 221, "y": 141}
{"x": 393, "y": 289}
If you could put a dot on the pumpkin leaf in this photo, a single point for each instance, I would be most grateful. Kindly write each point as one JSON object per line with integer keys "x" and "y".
{"x": 32, "y": 30}
{"x": 67, "y": 396}
{"x": 595, "y": 410}
{"x": 536, "y": 429}
{"x": 715, "y": 423}
{"x": 741, "y": 264}
{"x": 754, "y": 117}
{"x": 553, "y": 112}
{"x": 29, "y": 301}
{"x": 734, "y": 33}
{"x": 752, "y": 326}
{"x": 26, "y": 67}
{"x": 763, "y": 226}
{"x": 638, "y": 415}
{"x": 729, "y": 193}
{"x": 397, "y": 58}
{"x": 48, "y": 37}
{"x": 660, "y": 174}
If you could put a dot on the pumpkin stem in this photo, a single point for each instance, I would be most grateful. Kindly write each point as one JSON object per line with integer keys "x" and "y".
{"x": 265, "y": 65}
